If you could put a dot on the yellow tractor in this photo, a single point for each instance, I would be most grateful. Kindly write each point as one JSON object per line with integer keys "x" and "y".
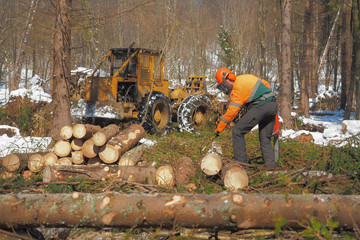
{"x": 135, "y": 89}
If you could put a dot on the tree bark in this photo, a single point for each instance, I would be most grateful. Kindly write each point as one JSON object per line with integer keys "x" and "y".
{"x": 103, "y": 135}
{"x": 305, "y": 66}
{"x": 133, "y": 156}
{"x": 62, "y": 74}
{"x": 85, "y": 131}
{"x": 128, "y": 138}
{"x": 230, "y": 211}
{"x": 184, "y": 171}
{"x": 145, "y": 175}
{"x": 285, "y": 92}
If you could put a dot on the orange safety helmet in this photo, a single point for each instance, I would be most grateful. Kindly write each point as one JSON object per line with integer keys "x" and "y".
{"x": 224, "y": 73}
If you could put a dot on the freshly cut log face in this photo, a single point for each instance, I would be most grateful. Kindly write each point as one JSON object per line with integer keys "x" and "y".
{"x": 27, "y": 174}
{"x": 76, "y": 144}
{"x": 66, "y": 132}
{"x": 144, "y": 175}
{"x": 77, "y": 157}
{"x": 85, "y": 131}
{"x": 66, "y": 161}
{"x": 165, "y": 176}
{"x": 89, "y": 149}
{"x": 108, "y": 153}
{"x": 62, "y": 148}
{"x": 211, "y": 164}
{"x": 11, "y": 162}
{"x": 94, "y": 161}
{"x": 234, "y": 177}
{"x": 104, "y": 134}
{"x": 50, "y": 159}
{"x": 7, "y": 174}
{"x": 36, "y": 163}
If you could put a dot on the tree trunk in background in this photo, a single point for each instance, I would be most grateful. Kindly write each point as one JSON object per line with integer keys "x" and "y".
{"x": 314, "y": 77}
{"x": 346, "y": 52}
{"x": 262, "y": 43}
{"x": 355, "y": 66}
{"x": 61, "y": 78}
{"x": 305, "y": 85}
{"x": 285, "y": 92}
{"x": 278, "y": 37}
{"x": 20, "y": 55}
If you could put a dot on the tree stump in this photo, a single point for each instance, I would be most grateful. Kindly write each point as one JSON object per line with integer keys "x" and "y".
{"x": 211, "y": 164}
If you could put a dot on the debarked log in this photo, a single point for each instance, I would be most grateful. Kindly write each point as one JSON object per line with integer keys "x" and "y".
{"x": 138, "y": 174}
{"x": 222, "y": 210}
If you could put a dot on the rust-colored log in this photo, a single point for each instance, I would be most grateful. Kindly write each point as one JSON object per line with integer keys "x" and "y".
{"x": 66, "y": 132}
{"x": 62, "y": 148}
{"x": 133, "y": 156}
{"x": 89, "y": 149}
{"x": 165, "y": 176}
{"x": 230, "y": 211}
{"x": 85, "y": 131}
{"x": 234, "y": 176}
{"x": 128, "y": 138}
{"x": 76, "y": 144}
{"x": 144, "y": 175}
{"x": 184, "y": 170}
{"x": 211, "y": 164}
{"x": 103, "y": 135}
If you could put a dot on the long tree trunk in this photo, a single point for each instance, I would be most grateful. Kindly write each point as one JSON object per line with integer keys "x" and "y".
{"x": 21, "y": 50}
{"x": 346, "y": 52}
{"x": 61, "y": 78}
{"x": 285, "y": 92}
{"x": 223, "y": 210}
{"x": 305, "y": 68}
{"x": 314, "y": 80}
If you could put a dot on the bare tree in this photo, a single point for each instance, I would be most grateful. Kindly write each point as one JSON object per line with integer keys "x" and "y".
{"x": 285, "y": 92}
{"x": 21, "y": 50}
{"x": 305, "y": 66}
{"x": 61, "y": 78}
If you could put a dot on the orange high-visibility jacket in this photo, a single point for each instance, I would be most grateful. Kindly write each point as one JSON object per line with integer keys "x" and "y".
{"x": 247, "y": 89}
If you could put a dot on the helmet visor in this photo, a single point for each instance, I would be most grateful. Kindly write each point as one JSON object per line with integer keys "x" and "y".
{"x": 225, "y": 87}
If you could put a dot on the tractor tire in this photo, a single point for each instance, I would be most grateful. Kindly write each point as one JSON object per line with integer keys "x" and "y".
{"x": 158, "y": 114}
{"x": 193, "y": 112}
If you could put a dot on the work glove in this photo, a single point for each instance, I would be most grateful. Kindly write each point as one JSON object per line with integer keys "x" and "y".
{"x": 216, "y": 134}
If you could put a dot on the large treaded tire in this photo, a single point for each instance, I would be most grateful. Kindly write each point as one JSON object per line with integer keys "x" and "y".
{"x": 193, "y": 112}
{"x": 158, "y": 116}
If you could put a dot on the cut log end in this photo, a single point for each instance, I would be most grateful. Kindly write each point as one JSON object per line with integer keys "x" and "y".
{"x": 236, "y": 179}
{"x": 211, "y": 164}
{"x": 36, "y": 163}
{"x": 11, "y": 162}
{"x": 165, "y": 176}
{"x": 66, "y": 132}
{"x": 62, "y": 148}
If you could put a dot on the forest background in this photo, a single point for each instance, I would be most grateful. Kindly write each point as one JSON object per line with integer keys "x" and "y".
{"x": 295, "y": 44}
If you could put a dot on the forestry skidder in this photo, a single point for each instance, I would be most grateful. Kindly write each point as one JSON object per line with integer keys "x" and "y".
{"x": 136, "y": 89}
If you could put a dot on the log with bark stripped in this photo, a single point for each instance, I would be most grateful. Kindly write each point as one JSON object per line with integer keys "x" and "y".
{"x": 234, "y": 176}
{"x": 144, "y": 175}
{"x": 133, "y": 156}
{"x": 85, "y": 131}
{"x": 105, "y": 134}
{"x": 230, "y": 211}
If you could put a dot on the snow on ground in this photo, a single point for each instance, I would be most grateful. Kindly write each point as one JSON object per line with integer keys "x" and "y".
{"x": 331, "y": 121}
